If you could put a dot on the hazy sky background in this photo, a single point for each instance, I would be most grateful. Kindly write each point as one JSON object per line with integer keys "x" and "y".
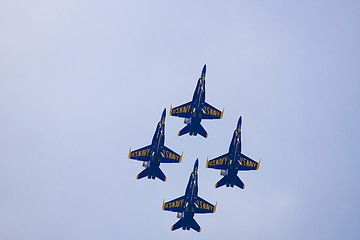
{"x": 83, "y": 81}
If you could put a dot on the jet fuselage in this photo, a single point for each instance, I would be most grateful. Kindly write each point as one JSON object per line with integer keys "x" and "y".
{"x": 191, "y": 193}
{"x": 196, "y": 110}
{"x": 233, "y": 161}
{"x": 197, "y": 105}
{"x": 234, "y": 155}
{"x": 155, "y": 153}
{"x": 157, "y": 146}
{"x": 189, "y": 204}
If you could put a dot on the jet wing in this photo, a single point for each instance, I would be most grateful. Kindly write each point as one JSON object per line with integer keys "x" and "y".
{"x": 181, "y": 111}
{"x": 169, "y": 156}
{"x": 209, "y": 112}
{"x": 203, "y": 206}
{"x": 176, "y": 205}
{"x": 247, "y": 163}
{"x": 141, "y": 154}
{"x": 219, "y": 162}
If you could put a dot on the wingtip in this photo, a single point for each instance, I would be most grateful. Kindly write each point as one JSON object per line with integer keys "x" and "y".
{"x": 170, "y": 110}
{"x": 215, "y": 207}
{"x": 215, "y": 185}
{"x": 222, "y": 112}
{"x": 200, "y": 230}
{"x": 207, "y": 135}
{"x": 179, "y": 133}
{"x": 165, "y": 179}
{"x": 137, "y": 176}
{"x": 163, "y": 204}
{"x": 207, "y": 162}
{"x": 257, "y": 167}
{"x": 129, "y": 153}
{"x": 181, "y": 157}
{"x": 243, "y": 187}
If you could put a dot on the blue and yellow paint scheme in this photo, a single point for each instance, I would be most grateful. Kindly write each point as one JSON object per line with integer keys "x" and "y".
{"x": 156, "y": 153}
{"x": 189, "y": 204}
{"x": 196, "y": 110}
{"x": 232, "y": 162}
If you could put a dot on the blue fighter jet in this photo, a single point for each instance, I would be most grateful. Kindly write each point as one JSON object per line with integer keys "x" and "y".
{"x": 196, "y": 110}
{"x": 189, "y": 204}
{"x": 155, "y": 154}
{"x": 232, "y": 162}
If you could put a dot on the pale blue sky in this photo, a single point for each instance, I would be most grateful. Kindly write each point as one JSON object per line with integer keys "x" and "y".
{"x": 81, "y": 83}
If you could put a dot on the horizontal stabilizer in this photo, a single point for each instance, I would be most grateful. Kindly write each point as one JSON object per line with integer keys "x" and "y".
{"x": 185, "y": 130}
{"x": 194, "y": 225}
{"x": 177, "y": 225}
{"x": 160, "y": 175}
{"x": 238, "y": 182}
{"x": 202, "y": 131}
{"x": 143, "y": 173}
{"x": 221, "y": 182}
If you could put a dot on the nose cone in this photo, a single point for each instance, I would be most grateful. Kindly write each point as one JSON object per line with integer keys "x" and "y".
{"x": 196, "y": 165}
{"x": 239, "y": 124}
{"x": 204, "y": 69}
{"x": 162, "y": 120}
{"x": 203, "y": 73}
